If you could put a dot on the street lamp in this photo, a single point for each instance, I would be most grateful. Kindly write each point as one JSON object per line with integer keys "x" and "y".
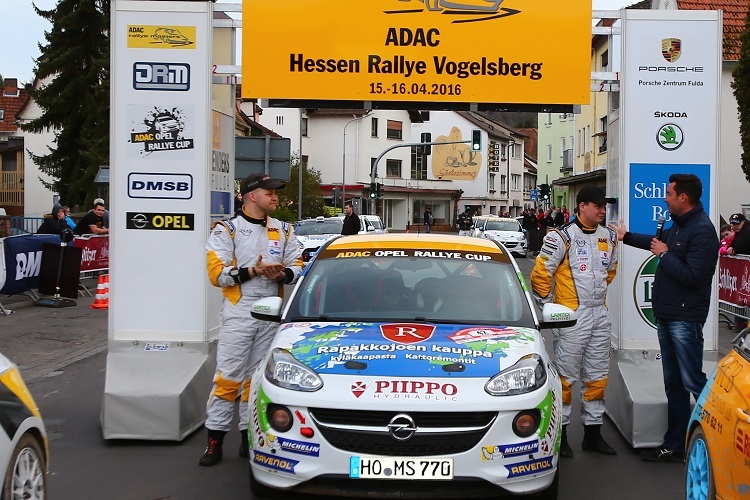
{"x": 343, "y": 157}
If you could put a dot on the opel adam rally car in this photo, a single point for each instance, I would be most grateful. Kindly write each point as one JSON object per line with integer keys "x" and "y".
{"x": 312, "y": 233}
{"x": 507, "y": 231}
{"x": 718, "y": 438}
{"x": 407, "y": 365}
{"x": 24, "y": 451}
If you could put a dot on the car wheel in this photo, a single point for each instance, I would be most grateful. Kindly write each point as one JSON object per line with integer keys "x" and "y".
{"x": 26, "y": 476}
{"x": 261, "y": 490}
{"x": 699, "y": 476}
{"x": 551, "y": 492}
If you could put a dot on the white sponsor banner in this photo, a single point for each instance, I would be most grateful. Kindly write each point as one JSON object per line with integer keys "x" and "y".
{"x": 669, "y": 117}
{"x": 160, "y": 186}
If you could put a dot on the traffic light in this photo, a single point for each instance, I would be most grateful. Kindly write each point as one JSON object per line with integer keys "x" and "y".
{"x": 476, "y": 140}
{"x": 373, "y": 190}
{"x": 544, "y": 191}
{"x": 335, "y": 196}
{"x": 379, "y": 190}
{"x": 426, "y": 137}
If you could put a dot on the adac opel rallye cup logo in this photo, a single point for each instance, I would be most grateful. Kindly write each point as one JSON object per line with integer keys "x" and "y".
{"x": 642, "y": 287}
{"x": 164, "y": 131}
{"x": 470, "y": 11}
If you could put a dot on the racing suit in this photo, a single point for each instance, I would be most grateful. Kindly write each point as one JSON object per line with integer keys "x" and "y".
{"x": 243, "y": 340}
{"x": 581, "y": 262}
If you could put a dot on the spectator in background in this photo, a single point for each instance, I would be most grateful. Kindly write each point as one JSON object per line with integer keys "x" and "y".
{"x": 539, "y": 217}
{"x": 92, "y": 222}
{"x": 566, "y": 214}
{"x": 351, "y": 220}
{"x": 529, "y": 221}
{"x": 55, "y": 224}
{"x": 464, "y": 223}
{"x": 105, "y": 215}
{"x": 741, "y": 242}
{"x": 428, "y": 219}
{"x": 68, "y": 218}
{"x": 727, "y": 235}
{"x": 559, "y": 218}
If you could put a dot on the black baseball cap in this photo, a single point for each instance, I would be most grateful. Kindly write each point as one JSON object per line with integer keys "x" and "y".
{"x": 255, "y": 181}
{"x": 736, "y": 218}
{"x": 593, "y": 194}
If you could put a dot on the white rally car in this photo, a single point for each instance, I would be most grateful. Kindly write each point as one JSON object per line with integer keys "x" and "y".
{"x": 312, "y": 233}
{"x": 407, "y": 364}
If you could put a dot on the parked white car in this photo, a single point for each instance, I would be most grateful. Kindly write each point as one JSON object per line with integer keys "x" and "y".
{"x": 407, "y": 364}
{"x": 312, "y": 233}
{"x": 507, "y": 231}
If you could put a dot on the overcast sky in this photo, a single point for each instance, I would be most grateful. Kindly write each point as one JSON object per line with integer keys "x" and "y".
{"x": 21, "y": 30}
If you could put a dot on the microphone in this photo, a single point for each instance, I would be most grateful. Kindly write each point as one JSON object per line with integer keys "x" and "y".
{"x": 660, "y": 227}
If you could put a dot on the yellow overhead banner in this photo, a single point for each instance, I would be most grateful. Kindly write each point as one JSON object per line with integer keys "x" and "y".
{"x": 478, "y": 51}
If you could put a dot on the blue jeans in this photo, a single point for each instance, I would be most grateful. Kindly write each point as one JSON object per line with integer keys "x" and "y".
{"x": 681, "y": 345}
{"x": 426, "y": 228}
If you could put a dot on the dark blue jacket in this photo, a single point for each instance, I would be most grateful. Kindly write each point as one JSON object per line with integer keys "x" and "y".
{"x": 682, "y": 285}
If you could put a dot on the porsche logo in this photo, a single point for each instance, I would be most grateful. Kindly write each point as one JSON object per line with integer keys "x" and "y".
{"x": 670, "y": 49}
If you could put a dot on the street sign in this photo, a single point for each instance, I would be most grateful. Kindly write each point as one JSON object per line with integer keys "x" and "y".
{"x": 534, "y": 194}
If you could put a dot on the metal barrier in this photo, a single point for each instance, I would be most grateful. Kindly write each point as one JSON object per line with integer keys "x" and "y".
{"x": 734, "y": 288}
{"x": 25, "y": 225}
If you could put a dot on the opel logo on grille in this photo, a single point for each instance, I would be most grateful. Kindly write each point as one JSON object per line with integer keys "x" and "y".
{"x": 402, "y": 427}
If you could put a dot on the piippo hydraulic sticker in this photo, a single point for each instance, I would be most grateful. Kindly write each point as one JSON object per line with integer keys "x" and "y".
{"x": 405, "y": 350}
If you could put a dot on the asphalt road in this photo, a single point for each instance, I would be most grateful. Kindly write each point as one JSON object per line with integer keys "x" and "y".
{"x": 62, "y": 354}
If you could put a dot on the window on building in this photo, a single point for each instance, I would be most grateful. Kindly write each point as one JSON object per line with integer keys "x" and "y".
{"x": 393, "y": 130}
{"x": 562, "y": 146}
{"x": 515, "y": 182}
{"x": 2, "y": 114}
{"x": 418, "y": 164}
{"x": 303, "y": 127}
{"x": 549, "y": 153}
{"x": 549, "y": 120}
{"x": 492, "y": 183}
{"x": 588, "y": 138}
{"x": 374, "y": 132}
{"x": 305, "y": 159}
{"x": 571, "y": 146}
{"x": 503, "y": 182}
{"x": 393, "y": 168}
{"x": 578, "y": 142}
{"x": 602, "y": 136}
{"x": 425, "y": 115}
{"x": 279, "y": 120}
{"x": 605, "y": 61}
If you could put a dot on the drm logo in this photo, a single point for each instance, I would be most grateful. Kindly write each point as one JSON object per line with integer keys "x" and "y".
{"x": 28, "y": 264}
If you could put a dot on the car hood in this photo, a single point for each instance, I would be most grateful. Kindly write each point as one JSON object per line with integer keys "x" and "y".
{"x": 407, "y": 349}
{"x": 504, "y": 234}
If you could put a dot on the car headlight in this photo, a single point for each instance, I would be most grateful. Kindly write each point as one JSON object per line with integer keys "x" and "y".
{"x": 525, "y": 376}
{"x": 284, "y": 370}
{"x": 521, "y": 237}
{"x": 489, "y": 236}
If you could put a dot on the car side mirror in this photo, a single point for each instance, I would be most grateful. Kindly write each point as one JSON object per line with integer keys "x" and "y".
{"x": 557, "y": 316}
{"x": 267, "y": 309}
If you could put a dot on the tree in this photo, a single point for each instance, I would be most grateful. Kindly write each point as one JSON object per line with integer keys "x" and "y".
{"x": 312, "y": 197}
{"x": 741, "y": 88}
{"x": 72, "y": 75}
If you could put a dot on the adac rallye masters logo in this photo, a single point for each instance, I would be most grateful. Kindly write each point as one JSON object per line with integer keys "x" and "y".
{"x": 467, "y": 11}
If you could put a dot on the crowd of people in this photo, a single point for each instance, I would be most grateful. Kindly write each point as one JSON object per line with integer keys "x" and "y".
{"x": 95, "y": 221}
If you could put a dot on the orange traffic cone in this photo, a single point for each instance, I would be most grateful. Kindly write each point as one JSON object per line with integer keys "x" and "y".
{"x": 101, "y": 301}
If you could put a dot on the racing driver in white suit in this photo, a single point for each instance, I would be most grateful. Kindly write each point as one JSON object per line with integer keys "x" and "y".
{"x": 249, "y": 256}
{"x": 574, "y": 267}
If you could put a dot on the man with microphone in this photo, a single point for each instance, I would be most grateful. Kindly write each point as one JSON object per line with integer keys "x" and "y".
{"x": 688, "y": 252}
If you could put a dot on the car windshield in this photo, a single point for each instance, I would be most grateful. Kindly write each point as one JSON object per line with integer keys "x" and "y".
{"x": 375, "y": 223}
{"x": 502, "y": 225}
{"x": 325, "y": 227}
{"x": 406, "y": 288}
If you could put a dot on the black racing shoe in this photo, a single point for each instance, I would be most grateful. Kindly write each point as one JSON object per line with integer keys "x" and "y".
{"x": 565, "y": 450}
{"x": 244, "y": 447}
{"x": 662, "y": 455}
{"x": 593, "y": 441}
{"x": 212, "y": 455}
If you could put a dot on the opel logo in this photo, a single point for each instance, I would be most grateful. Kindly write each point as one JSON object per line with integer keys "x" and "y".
{"x": 139, "y": 221}
{"x": 402, "y": 427}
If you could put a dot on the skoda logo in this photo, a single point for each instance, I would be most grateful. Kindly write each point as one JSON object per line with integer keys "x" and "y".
{"x": 402, "y": 427}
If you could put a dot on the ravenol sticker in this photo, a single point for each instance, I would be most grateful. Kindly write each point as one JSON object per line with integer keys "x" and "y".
{"x": 529, "y": 467}
{"x": 509, "y": 450}
{"x": 272, "y": 462}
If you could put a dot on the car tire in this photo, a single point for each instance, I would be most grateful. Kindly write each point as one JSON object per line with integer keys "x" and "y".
{"x": 551, "y": 492}
{"x": 260, "y": 490}
{"x": 699, "y": 474}
{"x": 26, "y": 476}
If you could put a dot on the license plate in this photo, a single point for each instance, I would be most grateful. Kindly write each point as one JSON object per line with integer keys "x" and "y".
{"x": 400, "y": 468}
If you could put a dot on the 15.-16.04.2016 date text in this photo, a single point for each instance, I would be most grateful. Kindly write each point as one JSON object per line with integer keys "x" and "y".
{"x": 416, "y": 88}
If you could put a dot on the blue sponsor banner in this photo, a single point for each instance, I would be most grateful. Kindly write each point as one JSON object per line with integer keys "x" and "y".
{"x": 274, "y": 462}
{"x": 23, "y": 260}
{"x": 509, "y": 450}
{"x": 648, "y": 187}
{"x": 529, "y": 467}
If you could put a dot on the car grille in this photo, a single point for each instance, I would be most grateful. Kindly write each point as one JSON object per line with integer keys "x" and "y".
{"x": 366, "y": 432}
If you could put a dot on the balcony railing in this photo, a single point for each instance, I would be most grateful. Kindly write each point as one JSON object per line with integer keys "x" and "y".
{"x": 11, "y": 189}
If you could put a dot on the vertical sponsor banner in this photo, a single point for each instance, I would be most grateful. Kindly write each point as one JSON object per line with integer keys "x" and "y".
{"x": 669, "y": 124}
{"x": 161, "y": 150}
